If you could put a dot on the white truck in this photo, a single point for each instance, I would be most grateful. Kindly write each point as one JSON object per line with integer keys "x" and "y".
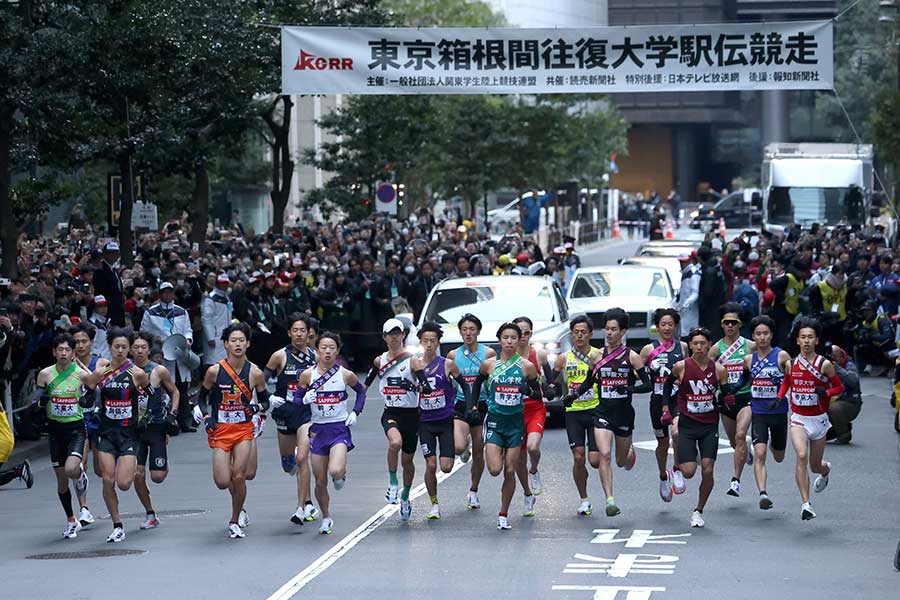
{"x": 828, "y": 184}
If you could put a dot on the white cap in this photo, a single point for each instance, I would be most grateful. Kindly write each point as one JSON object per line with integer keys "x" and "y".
{"x": 165, "y": 285}
{"x": 111, "y": 247}
{"x": 392, "y": 324}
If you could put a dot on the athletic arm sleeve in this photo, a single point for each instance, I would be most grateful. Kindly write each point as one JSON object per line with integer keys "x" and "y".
{"x": 299, "y": 394}
{"x": 262, "y": 396}
{"x": 586, "y": 385}
{"x": 424, "y": 387}
{"x": 360, "y": 390}
{"x": 463, "y": 385}
{"x": 785, "y": 386}
{"x": 645, "y": 385}
{"x": 534, "y": 387}
{"x": 837, "y": 386}
{"x": 371, "y": 376}
{"x": 203, "y": 400}
{"x": 269, "y": 373}
{"x": 474, "y": 392}
{"x": 732, "y": 388}
{"x": 668, "y": 386}
{"x": 41, "y": 397}
{"x": 88, "y": 397}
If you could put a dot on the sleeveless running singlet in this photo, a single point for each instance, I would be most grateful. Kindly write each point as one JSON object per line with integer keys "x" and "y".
{"x": 765, "y": 379}
{"x": 697, "y": 394}
{"x": 577, "y": 370}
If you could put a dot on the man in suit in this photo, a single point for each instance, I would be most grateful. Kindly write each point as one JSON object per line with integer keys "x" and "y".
{"x": 108, "y": 283}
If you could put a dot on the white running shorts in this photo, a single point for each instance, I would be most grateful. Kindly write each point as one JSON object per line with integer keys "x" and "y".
{"x": 816, "y": 427}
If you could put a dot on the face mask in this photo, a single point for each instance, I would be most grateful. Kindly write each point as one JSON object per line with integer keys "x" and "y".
{"x": 409, "y": 270}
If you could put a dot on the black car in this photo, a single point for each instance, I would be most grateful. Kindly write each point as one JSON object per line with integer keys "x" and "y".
{"x": 734, "y": 208}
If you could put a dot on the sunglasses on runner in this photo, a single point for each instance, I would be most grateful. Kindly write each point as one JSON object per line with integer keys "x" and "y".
{"x": 731, "y": 322}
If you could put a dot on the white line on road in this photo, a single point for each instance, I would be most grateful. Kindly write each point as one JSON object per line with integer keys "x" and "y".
{"x": 304, "y": 577}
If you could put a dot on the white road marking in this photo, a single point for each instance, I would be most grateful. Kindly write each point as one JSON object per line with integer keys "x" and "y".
{"x": 724, "y": 446}
{"x": 318, "y": 566}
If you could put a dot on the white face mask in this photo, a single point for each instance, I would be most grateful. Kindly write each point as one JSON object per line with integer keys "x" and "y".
{"x": 409, "y": 270}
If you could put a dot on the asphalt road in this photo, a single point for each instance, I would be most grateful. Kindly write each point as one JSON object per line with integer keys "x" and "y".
{"x": 741, "y": 553}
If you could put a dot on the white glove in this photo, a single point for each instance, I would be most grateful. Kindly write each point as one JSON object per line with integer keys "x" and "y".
{"x": 276, "y": 402}
{"x": 259, "y": 423}
{"x": 655, "y": 364}
{"x": 198, "y": 415}
{"x": 350, "y": 421}
{"x": 309, "y": 397}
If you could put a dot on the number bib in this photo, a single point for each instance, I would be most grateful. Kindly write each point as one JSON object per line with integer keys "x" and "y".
{"x": 735, "y": 370}
{"x": 585, "y": 397}
{"x": 435, "y": 400}
{"x": 609, "y": 385}
{"x": 507, "y": 395}
{"x": 118, "y": 410}
{"x": 804, "y": 396}
{"x": 64, "y": 407}
{"x": 231, "y": 413}
{"x": 763, "y": 388}
{"x": 700, "y": 406}
{"x": 394, "y": 397}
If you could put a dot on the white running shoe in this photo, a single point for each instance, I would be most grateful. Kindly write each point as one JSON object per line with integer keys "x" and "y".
{"x": 765, "y": 503}
{"x": 472, "y": 502}
{"x": 535, "y": 483}
{"x": 326, "y": 526}
{"x": 806, "y": 512}
{"x": 405, "y": 510}
{"x": 297, "y": 517}
{"x": 72, "y": 529}
{"x": 117, "y": 535}
{"x": 749, "y": 459}
{"x": 435, "y": 512}
{"x": 85, "y": 517}
{"x": 81, "y": 484}
{"x": 821, "y": 481}
{"x": 528, "y": 506}
{"x": 585, "y": 509}
{"x": 503, "y": 523}
{"x": 697, "y": 519}
{"x": 467, "y": 453}
{"x": 310, "y": 512}
{"x": 339, "y": 484}
{"x": 665, "y": 487}
{"x": 150, "y": 522}
{"x": 678, "y": 484}
{"x": 734, "y": 488}
{"x": 243, "y": 519}
{"x": 235, "y": 531}
{"x": 391, "y": 496}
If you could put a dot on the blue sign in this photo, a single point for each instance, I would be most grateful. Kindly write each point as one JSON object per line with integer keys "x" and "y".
{"x": 386, "y": 193}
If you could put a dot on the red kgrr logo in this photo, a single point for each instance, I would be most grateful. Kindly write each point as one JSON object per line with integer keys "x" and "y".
{"x": 311, "y": 62}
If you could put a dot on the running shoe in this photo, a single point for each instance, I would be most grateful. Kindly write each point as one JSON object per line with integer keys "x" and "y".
{"x": 697, "y": 519}
{"x": 503, "y": 523}
{"x": 405, "y": 510}
{"x": 391, "y": 496}
{"x": 535, "y": 483}
{"x": 749, "y": 459}
{"x": 678, "y": 484}
{"x": 243, "y": 519}
{"x": 585, "y": 509}
{"x": 150, "y": 522}
{"x": 611, "y": 509}
{"x": 72, "y": 529}
{"x": 765, "y": 502}
{"x": 665, "y": 487}
{"x": 467, "y": 453}
{"x": 339, "y": 484}
{"x": 26, "y": 475}
{"x": 821, "y": 481}
{"x": 632, "y": 459}
{"x": 298, "y": 517}
{"x": 435, "y": 512}
{"x": 310, "y": 512}
{"x": 472, "y": 502}
{"x": 117, "y": 535}
{"x": 235, "y": 531}
{"x": 325, "y": 527}
{"x": 85, "y": 517}
{"x": 528, "y": 506}
{"x": 806, "y": 512}
{"x": 81, "y": 484}
{"x": 734, "y": 488}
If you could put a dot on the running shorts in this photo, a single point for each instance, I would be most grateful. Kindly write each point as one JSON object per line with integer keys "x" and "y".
{"x": 434, "y": 434}
{"x": 619, "y": 419}
{"x": 152, "y": 445}
{"x": 580, "y": 426}
{"x": 506, "y": 431}
{"x": 656, "y": 405}
{"x": 816, "y": 427}
{"x": 459, "y": 413}
{"x": 535, "y": 417}
{"x": 324, "y": 436}
{"x": 764, "y": 425}
{"x": 118, "y": 441}
{"x": 228, "y": 435}
{"x": 741, "y": 401}
{"x": 290, "y": 417}
{"x": 66, "y": 439}
{"x": 406, "y": 421}
{"x": 694, "y": 436}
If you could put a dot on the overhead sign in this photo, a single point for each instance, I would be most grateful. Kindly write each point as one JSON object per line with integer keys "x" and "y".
{"x": 657, "y": 58}
{"x": 387, "y": 198}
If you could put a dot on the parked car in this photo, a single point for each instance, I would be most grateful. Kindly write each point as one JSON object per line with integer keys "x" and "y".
{"x": 670, "y": 248}
{"x": 742, "y": 208}
{"x": 669, "y": 263}
{"x": 639, "y": 290}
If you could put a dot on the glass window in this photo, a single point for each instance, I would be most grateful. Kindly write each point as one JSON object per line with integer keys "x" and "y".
{"x": 492, "y": 302}
{"x": 623, "y": 282}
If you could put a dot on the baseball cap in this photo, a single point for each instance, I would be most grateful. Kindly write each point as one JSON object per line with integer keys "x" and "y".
{"x": 100, "y": 300}
{"x": 222, "y": 278}
{"x": 297, "y": 262}
{"x": 111, "y": 247}
{"x": 165, "y": 285}
{"x": 392, "y": 324}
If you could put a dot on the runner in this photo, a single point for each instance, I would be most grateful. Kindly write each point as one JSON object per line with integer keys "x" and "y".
{"x": 227, "y": 415}
{"x": 730, "y": 352}
{"x": 575, "y": 366}
{"x": 402, "y": 378}
{"x": 157, "y": 415}
{"x": 293, "y": 420}
{"x": 85, "y": 358}
{"x": 119, "y": 385}
{"x": 59, "y": 395}
{"x": 615, "y": 371}
{"x": 508, "y": 379}
{"x": 468, "y": 425}
{"x": 535, "y": 417}
{"x": 660, "y": 356}
{"x": 698, "y": 378}
{"x": 767, "y": 367}
{"x": 436, "y": 409}
{"x": 808, "y": 376}
{"x": 324, "y": 388}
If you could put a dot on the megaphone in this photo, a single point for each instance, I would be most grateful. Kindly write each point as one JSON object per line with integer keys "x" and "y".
{"x": 176, "y": 348}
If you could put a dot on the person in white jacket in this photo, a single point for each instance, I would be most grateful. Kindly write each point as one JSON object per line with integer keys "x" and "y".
{"x": 689, "y": 292}
{"x": 215, "y": 315}
{"x": 163, "y": 319}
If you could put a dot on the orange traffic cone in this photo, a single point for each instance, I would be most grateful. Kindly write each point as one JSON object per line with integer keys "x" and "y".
{"x": 616, "y": 232}
{"x": 670, "y": 234}
{"x": 722, "y": 231}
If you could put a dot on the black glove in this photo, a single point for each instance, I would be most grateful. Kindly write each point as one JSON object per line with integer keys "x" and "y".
{"x": 473, "y": 414}
{"x": 525, "y": 389}
{"x": 621, "y": 389}
{"x": 568, "y": 399}
{"x": 821, "y": 392}
{"x": 551, "y": 391}
{"x": 143, "y": 422}
{"x": 210, "y": 425}
{"x": 172, "y": 426}
{"x": 250, "y": 410}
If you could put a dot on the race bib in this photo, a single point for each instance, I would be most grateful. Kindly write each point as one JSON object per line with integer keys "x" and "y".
{"x": 608, "y": 388}
{"x": 588, "y": 396}
{"x": 507, "y": 395}
{"x": 700, "y": 406}
{"x": 394, "y": 396}
{"x": 64, "y": 407}
{"x": 435, "y": 400}
{"x": 763, "y": 388}
{"x": 804, "y": 398}
{"x": 118, "y": 410}
{"x": 735, "y": 370}
{"x": 232, "y": 415}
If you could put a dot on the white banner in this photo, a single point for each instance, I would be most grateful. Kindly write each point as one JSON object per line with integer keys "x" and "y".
{"x": 657, "y": 58}
{"x": 144, "y": 214}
